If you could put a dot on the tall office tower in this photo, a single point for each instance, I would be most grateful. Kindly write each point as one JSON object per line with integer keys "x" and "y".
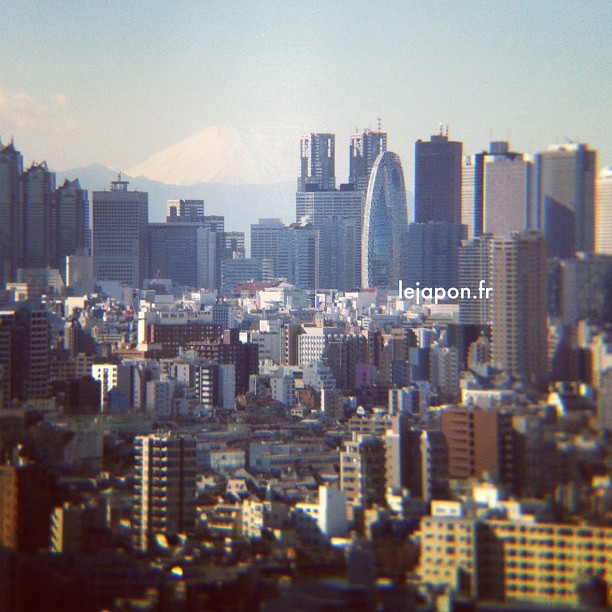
{"x": 317, "y": 163}
{"x": 323, "y": 209}
{"x": 190, "y": 211}
{"x": 186, "y": 253}
{"x": 120, "y": 234}
{"x": 603, "y": 213}
{"x": 479, "y": 441}
{"x": 338, "y": 248}
{"x": 164, "y": 493}
{"x": 473, "y": 267}
{"x": 38, "y": 217}
{"x": 437, "y": 179}
{"x": 233, "y": 245}
{"x": 431, "y": 254}
{"x": 362, "y": 470}
{"x": 266, "y": 241}
{"x": 11, "y": 168}
{"x": 25, "y": 505}
{"x": 565, "y": 198}
{"x": 72, "y": 223}
{"x": 385, "y": 225}
{"x": 497, "y": 191}
{"x": 518, "y": 303}
{"x": 364, "y": 150}
{"x": 297, "y": 252}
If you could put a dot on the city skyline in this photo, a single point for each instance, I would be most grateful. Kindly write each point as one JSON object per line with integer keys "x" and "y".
{"x": 516, "y": 72}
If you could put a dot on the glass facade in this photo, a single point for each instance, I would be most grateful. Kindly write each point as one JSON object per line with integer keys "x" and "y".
{"x": 385, "y": 224}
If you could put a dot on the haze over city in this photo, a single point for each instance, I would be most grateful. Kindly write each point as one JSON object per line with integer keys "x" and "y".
{"x": 114, "y": 83}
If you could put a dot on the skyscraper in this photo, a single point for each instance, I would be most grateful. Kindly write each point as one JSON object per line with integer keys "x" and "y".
{"x": 183, "y": 252}
{"x": 38, "y": 217}
{"x": 266, "y": 238}
{"x": 164, "y": 492}
{"x": 11, "y": 168}
{"x": 431, "y": 254}
{"x": 603, "y": 218}
{"x": 385, "y": 224}
{"x": 72, "y": 223}
{"x": 565, "y": 198}
{"x": 364, "y": 150}
{"x": 497, "y": 191}
{"x": 437, "y": 179}
{"x": 120, "y": 234}
{"x": 317, "y": 162}
{"x": 518, "y": 303}
{"x": 473, "y": 267}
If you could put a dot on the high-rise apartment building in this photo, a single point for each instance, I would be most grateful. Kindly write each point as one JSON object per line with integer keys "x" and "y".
{"x": 385, "y": 225}
{"x": 25, "y": 505}
{"x": 11, "y": 168}
{"x": 479, "y": 441}
{"x": 473, "y": 267}
{"x": 362, "y": 470}
{"x": 437, "y": 179}
{"x": 603, "y": 213}
{"x": 317, "y": 162}
{"x": 518, "y": 303}
{"x": 164, "y": 492}
{"x": 120, "y": 234}
{"x": 565, "y": 198}
{"x": 364, "y": 150}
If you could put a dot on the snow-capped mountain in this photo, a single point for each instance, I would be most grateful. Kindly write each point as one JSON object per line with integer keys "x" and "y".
{"x": 225, "y": 156}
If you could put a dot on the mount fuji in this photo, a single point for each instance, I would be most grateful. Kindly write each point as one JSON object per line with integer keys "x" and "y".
{"x": 224, "y": 156}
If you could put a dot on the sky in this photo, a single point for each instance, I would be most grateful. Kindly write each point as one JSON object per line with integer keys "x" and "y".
{"x": 113, "y": 82}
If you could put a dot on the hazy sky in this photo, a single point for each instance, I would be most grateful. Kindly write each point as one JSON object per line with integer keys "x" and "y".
{"x": 113, "y": 82}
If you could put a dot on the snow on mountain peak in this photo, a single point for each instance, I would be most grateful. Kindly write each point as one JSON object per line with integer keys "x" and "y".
{"x": 222, "y": 155}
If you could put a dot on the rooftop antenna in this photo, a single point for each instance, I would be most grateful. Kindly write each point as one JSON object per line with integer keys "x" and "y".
{"x": 447, "y": 130}
{"x": 379, "y": 124}
{"x": 440, "y": 129}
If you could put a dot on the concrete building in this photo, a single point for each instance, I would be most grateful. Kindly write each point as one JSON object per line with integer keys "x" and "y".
{"x": 324, "y": 519}
{"x": 479, "y": 441}
{"x": 164, "y": 493}
{"x": 514, "y": 561}
{"x": 120, "y": 234}
{"x": 518, "y": 304}
{"x": 362, "y": 471}
{"x": 365, "y": 147}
